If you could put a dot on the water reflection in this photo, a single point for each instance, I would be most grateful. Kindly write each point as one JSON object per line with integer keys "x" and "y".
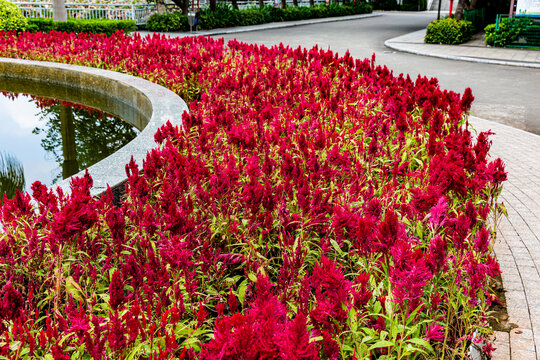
{"x": 11, "y": 175}
{"x": 72, "y": 136}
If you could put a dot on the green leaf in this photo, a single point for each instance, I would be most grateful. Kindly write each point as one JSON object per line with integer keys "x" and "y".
{"x": 252, "y": 277}
{"x": 241, "y": 292}
{"x": 14, "y": 345}
{"x": 336, "y": 247}
{"x": 315, "y": 338}
{"x": 421, "y": 342}
{"x": 381, "y": 344}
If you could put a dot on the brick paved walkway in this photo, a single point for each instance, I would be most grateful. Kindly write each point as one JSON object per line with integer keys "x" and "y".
{"x": 518, "y": 240}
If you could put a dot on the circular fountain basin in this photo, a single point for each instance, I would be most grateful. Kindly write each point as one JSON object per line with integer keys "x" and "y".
{"x": 145, "y": 105}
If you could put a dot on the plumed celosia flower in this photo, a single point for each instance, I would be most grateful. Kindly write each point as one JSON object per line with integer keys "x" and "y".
{"x": 80, "y": 323}
{"x": 408, "y": 276}
{"x": 332, "y": 292}
{"x": 11, "y": 302}
{"x": 435, "y": 332}
{"x": 439, "y": 213}
{"x": 482, "y": 240}
{"x": 58, "y": 354}
{"x": 437, "y": 254}
{"x": 496, "y": 171}
{"x": 423, "y": 201}
{"x": 115, "y": 336}
{"x": 296, "y": 341}
{"x": 360, "y": 291}
{"x": 466, "y": 100}
{"x": 326, "y": 174}
{"x": 263, "y": 332}
{"x": 116, "y": 290}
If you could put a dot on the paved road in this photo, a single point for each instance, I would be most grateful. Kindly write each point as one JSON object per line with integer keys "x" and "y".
{"x": 504, "y": 94}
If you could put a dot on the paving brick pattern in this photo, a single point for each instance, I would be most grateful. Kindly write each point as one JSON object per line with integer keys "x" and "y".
{"x": 517, "y": 246}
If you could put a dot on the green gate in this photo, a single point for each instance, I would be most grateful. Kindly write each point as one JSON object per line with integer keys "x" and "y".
{"x": 517, "y": 31}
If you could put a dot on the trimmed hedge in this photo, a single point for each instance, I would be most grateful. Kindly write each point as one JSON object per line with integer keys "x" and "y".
{"x": 449, "y": 31}
{"x": 406, "y": 5}
{"x": 226, "y": 16}
{"x": 11, "y": 17}
{"x": 98, "y": 26}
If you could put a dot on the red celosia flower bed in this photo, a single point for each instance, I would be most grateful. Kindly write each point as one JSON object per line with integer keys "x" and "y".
{"x": 312, "y": 206}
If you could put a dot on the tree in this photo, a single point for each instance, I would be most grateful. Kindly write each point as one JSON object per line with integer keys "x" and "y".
{"x": 160, "y": 5}
{"x": 59, "y": 10}
{"x": 461, "y": 5}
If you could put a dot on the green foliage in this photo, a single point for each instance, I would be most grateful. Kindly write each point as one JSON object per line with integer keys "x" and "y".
{"x": 11, "y": 176}
{"x": 97, "y": 26}
{"x": 174, "y": 21}
{"x": 40, "y": 24}
{"x": 252, "y": 17}
{"x": 448, "y": 31}
{"x": 510, "y": 29}
{"x": 226, "y": 16}
{"x": 11, "y": 17}
{"x": 407, "y": 5}
{"x": 414, "y": 5}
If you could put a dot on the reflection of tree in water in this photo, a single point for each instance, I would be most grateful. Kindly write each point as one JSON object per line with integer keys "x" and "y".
{"x": 78, "y": 137}
{"x": 11, "y": 175}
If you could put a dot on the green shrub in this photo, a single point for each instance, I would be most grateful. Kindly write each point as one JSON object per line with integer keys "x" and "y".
{"x": 385, "y": 5}
{"x": 98, "y": 26}
{"x": 448, "y": 31}
{"x": 509, "y": 31}
{"x": 40, "y": 24}
{"x": 11, "y": 17}
{"x": 413, "y": 5}
{"x": 226, "y": 16}
{"x": 174, "y": 21}
{"x": 319, "y": 12}
{"x": 273, "y": 14}
{"x": 252, "y": 17}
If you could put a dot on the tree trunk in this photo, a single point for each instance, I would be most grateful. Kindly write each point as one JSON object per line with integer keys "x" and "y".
{"x": 461, "y": 6}
{"x": 235, "y": 4}
{"x": 59, "y": 10}
{"x": 283, "y": 4}
{"x": 70, "y": 166}
{"x": 311, "y": 3}
{"x": 183, "y": 5}
{"x": 213, "y": 4}
{"x": 295, "y": 2}
{"x": 261, "y": 3}
{"x": 161, "y": 8}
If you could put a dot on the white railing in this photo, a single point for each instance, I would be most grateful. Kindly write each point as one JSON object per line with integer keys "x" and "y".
{"x": 243, "y": 4}
{"x": 137, "y": 12}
